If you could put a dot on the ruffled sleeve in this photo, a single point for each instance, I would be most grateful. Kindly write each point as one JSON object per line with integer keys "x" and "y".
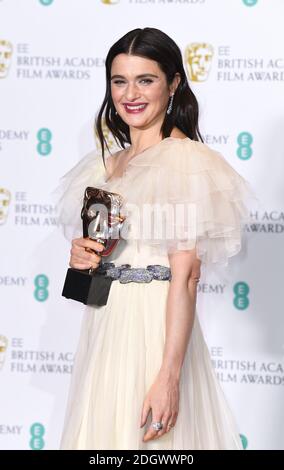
{"x": 69, "y": 193}
{"x": 201, "y": 201}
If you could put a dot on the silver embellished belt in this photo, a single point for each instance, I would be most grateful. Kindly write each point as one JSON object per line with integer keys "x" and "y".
{"x": 124, "y": 273}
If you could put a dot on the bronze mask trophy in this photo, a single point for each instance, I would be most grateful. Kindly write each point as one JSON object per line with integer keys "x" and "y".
{"x": 102, "y": 222}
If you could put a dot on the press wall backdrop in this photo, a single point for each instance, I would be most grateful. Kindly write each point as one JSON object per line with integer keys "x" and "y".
{"x": 52, "y": 81}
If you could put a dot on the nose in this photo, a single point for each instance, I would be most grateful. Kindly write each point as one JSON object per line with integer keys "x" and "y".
{"x": 132, "y": 92}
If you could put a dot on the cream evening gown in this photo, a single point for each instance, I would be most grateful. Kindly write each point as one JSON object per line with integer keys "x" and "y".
{"x": 121, "y": 344}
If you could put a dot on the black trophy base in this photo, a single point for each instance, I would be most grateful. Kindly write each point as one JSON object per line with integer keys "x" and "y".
{"x": 90, "y": 289}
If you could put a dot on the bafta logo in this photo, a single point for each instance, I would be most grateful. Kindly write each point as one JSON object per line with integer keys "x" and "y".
{"x": 3, "y": 348}
{"x": 5, "y": 198}
{"x": 112, "y": 145}
{"x": 6, "y": 50}
{"x": 198, "y": 58}
{"x": 110, "y": 2}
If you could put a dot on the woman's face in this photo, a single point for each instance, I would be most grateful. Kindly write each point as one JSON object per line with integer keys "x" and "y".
{"x": 139, "y": 90}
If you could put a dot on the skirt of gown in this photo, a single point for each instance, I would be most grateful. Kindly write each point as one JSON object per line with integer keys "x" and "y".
{"x": 119, "y": 354}
{"x": 121, "y": 344}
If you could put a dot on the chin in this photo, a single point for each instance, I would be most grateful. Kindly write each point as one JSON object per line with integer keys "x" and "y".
{"x": 138, "y": 122}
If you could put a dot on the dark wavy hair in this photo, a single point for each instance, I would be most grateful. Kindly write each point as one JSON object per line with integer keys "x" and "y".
{"x": 153, "y": 44}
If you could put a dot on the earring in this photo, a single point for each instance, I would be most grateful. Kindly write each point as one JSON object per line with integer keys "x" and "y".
{"x": 116, "y": 113}
{"x": 170, "y": 107}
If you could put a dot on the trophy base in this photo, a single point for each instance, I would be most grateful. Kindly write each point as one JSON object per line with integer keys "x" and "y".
{"x": 90, "y": 289}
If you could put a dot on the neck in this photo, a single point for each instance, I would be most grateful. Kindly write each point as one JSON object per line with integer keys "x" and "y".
{"x": 142, "y": 139}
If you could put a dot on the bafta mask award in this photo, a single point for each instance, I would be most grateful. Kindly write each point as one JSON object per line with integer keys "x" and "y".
{"x": 102, "y": 221}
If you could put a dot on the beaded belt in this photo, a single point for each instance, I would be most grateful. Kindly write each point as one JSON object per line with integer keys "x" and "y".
{"x": 125, "y": 273}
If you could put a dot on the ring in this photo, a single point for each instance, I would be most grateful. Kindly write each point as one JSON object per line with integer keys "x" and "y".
{"x": 157, "y": 425}
{"x": 170, "y": 425}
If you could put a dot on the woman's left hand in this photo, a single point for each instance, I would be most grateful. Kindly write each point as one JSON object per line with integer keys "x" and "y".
{"x": 163, "y": 400}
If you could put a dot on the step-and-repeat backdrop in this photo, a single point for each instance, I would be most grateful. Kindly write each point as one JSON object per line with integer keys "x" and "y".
{"x": 51, "y": 86}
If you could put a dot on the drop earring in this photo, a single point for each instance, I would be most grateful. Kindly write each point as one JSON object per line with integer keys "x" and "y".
{"x": 170, "y": 107}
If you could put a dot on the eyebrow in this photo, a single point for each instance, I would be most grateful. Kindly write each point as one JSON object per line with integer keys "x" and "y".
{"x": 138, "y": 76}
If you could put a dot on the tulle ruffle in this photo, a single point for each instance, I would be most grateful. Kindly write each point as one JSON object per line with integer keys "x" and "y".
{"x": 193, "y": 198}
{"x": 204, "y": 202}
{"x": 69, "y": 193}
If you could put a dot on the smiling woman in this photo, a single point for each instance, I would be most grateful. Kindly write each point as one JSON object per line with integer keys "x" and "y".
{"x": 145, "y": 70}
{"x": 143, "y": 377}
{"x": 144, "y": 95}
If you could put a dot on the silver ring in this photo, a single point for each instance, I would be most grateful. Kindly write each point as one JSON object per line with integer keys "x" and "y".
{"x": 157, "y": 425}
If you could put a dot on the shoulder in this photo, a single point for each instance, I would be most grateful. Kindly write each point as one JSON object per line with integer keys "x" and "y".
{"x": 186, "y": 150}
{"x": 181, "y": 140}
{"x": 192, "y": 145}
{"x": 195, "y": 160}
{"x": 86, "y": 172}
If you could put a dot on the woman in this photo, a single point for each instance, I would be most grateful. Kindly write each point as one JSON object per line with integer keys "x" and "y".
{"x": 143, "y": 377}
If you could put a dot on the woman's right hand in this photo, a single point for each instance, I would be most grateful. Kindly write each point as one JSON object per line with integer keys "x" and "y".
{"x": 82, "y": 254}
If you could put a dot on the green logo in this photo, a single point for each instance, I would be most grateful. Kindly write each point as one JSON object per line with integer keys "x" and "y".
{"x": 46, "y": 2}
{"x": 41, "y": 282}
{"x": 244, "y": 150}
{"x": 44, "y": 137}
{"x": 241, "y": 291}
{"x": 37, "y": 431}
{"x": 250, "y": 3}
{"x": 244, "y": 441}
